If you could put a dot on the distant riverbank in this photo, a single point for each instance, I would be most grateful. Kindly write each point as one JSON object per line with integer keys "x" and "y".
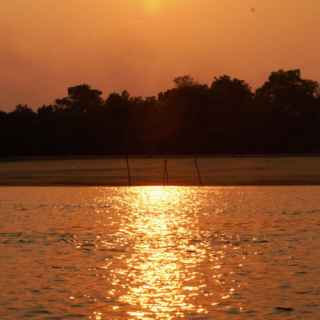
{"x": 151, "y": 170}
{"x": 155, "y": 156}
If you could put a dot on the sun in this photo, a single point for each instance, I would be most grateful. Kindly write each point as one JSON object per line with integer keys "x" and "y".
{"x": 152, "y": 6}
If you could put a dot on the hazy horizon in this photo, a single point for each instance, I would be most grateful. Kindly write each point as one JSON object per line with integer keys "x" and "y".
{"x": 142, "y": 45}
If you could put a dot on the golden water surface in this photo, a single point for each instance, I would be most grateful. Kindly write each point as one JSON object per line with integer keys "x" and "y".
{"x": 160, "y": 253}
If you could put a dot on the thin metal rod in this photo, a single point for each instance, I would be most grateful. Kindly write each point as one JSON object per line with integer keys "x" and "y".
{"x": 198, "y": 171}
{"x": 129, "y": 171}
{"x": 165, "y": 173}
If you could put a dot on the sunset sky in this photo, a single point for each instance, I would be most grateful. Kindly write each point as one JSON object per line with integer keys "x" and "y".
{"x": 141, "y": 45}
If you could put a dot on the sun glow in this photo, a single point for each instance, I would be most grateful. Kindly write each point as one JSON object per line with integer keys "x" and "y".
{"x": 152, "y": 6}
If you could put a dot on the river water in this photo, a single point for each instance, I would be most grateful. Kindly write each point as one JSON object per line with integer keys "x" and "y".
{"x": 159, "y": 253}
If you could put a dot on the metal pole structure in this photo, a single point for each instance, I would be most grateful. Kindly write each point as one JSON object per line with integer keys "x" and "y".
{"x": 198, "y": 171}
{"x": 165, "y": 173}
{"x": 129, "y": 171}
{"x": 127, "y": 149}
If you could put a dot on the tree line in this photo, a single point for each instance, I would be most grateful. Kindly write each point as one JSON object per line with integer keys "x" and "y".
{"x": 227, "y": 116}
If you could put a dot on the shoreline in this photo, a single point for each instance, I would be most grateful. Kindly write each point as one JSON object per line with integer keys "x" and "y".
{"x": 157, "y": 156}
{"x": 106, "y": 185}
{"x": 284, "y": 170}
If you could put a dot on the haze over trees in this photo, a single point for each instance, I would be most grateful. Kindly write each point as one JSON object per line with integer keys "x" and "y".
{"x": 227, "y": 116}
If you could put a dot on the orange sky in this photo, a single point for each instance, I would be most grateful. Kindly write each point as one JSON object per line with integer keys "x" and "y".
{"x": 141, "y": 45}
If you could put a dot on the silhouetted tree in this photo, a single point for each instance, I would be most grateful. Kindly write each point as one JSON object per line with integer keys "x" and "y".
{"x": 286, "y": 91}
{"x": 283, "y": 115}
{"x": 81, "y": 98}
{"x": 46, "y": 111}
{"x": 230, "y": 92}
{"x": 118, "y": 102}
{"x": 23, "y": 112}
{"x": 3, "y": 115}
{"x": 184, "y": 81}
{"x": 288, "y": 104}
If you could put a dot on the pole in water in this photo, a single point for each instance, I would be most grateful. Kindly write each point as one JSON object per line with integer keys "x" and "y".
{"x": 165, "y": 173}
{"x": 198, "y": 171}
{"x": 129, "y": 172}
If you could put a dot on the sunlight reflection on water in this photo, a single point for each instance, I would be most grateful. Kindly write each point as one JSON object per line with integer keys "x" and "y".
{"x": 165, "y": 276}
{"x": 159, "y": 253}
{"x": 163, "y": 263}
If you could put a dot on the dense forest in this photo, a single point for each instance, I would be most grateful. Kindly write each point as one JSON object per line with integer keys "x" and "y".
{"x": 227, "y": 116}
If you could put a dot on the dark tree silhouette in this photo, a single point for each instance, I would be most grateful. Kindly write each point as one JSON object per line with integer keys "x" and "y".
{"x": 282, "y": 116}
{"x": 3, "y": 115}
{"x": 81, "y": 99}
{"x": 287, "y": 92}
{"x": 231, "y": 93}
{"x": 289, "y": 105}
{"x": 23, "y": 112}
{"x": 184, "y": 81}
